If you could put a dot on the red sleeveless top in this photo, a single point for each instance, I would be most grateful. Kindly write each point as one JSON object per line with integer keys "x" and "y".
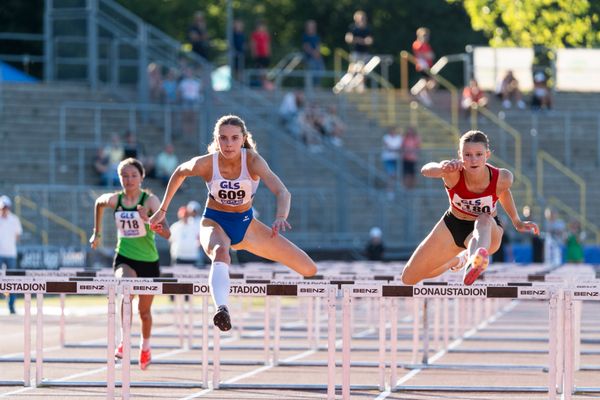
{"x": 475, "y": 204}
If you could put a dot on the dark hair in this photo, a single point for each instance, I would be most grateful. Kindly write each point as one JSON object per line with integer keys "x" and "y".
{"x": 233, "y": 120}
{"x": 134, "y": 162}
{"x": 475, "y": 137}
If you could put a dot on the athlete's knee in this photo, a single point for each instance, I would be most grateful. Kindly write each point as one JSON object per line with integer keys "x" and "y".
{"x": 221, "y": 253}
{"x": 483, "y": 220}
{"x": 310, "y": 270}
{"x": 145, "y": 315}
{"x": 409, "y": 278}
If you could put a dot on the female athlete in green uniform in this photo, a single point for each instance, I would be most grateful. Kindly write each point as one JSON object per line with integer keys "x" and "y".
{"x": 136, "y": 255}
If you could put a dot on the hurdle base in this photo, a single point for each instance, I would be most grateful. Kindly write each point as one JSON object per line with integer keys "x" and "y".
{"x": 307, "y": 387}
{"x": 12, "y": 383}
{"x": 501, "y": 389}
{"x": 476, "y": 366}
{"x": 159, "y": 385}
{"x": 583, "y": 390}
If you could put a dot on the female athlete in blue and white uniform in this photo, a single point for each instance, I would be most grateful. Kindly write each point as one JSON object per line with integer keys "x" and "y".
{"x": 232, "y": 170}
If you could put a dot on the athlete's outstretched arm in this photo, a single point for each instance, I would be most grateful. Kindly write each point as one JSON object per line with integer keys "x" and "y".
{"x": 101, "y": 202}
{"x": 508, "y": 203}
{"x": 188, "y": 168}
{"x": 276, "y": 186}
{"x": 441, "y": 169}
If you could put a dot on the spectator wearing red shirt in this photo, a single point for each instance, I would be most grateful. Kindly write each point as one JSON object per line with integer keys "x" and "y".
{"x": 261, "y": 45}
{"x": 471, "y": 95}
{"x": 424, "y": 54}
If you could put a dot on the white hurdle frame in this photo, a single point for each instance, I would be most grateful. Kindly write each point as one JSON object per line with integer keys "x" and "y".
{"x": 561, "y": 367}
{"x": 514, "y": 292}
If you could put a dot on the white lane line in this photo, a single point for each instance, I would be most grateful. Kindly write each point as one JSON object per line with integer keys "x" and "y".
{"x": 451, "y": 346}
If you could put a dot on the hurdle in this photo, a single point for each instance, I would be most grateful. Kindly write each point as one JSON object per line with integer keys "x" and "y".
{"x": 481, "y": 292}
{"x": 126, "y": 288}
{"x": 573, "y": 303}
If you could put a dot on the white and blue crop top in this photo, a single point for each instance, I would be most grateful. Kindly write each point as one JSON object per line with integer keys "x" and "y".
{"x": 231, "y": 192}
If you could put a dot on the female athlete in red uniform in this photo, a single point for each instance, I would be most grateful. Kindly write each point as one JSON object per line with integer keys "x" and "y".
{"x": 470, "y": 230}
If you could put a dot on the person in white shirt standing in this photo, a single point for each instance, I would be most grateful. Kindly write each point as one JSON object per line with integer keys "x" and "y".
{"x": 390, "y": 157}
{"x": 185, "y": 238}
{"x": 10, "y": 231}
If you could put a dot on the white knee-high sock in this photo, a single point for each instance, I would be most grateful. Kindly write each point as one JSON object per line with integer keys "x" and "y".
{"x": 219, "y": 283}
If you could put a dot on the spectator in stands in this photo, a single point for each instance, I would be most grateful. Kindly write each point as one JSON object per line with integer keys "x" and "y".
{"x": 411, "y": 145}
{"x": 537, "y": 241}
{"x": 575, "y": 241}
{"x": 169, "y": 87}
{"x": 261, "y": 45}
{"x": 311, "y": 47}
{"x": 509, "y": 91}
{"x": 133, "y": 149}
{"x": 360, "y": 39}
{"x": 473, "y": 95}
{"x": 289, "y": 110}
{"x": 10, "y": 232}
{"x": 185, "y": 239}
{"x": 424, "y": 56}
{"x": 232, "y": 169}
{"x": 194, "y": 213}
{"x": 190, "y": 92}
{"x": 166, "y": 162}
{"x": 155, "y": 82}
{"x": 198, "y": 36}
{"x": 390, "y": 157}
{"x": 136, "y": 254}
{"x": 541, "y": 98}
{"x": 115, "y": 152}
{"x": 309, "y": 132}
{"x": 260, "y": 49}
{"x": 554, "y": 237}
{"x": 102, "y": 168}
{"x": 239, "y": 49}
{"x": 375, "y": 248}
{"x": 333, "y": 126}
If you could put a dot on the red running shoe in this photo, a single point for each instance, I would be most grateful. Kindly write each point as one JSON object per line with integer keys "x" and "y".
{"x": 145, "y": 359}
{"x": 119, "y": 351}
{"x": 478, "y": 264}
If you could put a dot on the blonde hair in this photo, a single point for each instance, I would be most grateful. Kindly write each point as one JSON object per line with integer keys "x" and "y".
{"x": 134, "y": 162}
{"x": 233, "y": 120}
{"x": 422, "y": 31}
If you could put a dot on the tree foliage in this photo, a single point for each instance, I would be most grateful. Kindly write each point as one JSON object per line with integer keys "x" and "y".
{"x": 528, "y": 23}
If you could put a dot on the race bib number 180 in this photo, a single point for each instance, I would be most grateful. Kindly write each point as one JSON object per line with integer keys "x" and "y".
{"x": 482, "y": 205}
{"x": 129, "y": 224}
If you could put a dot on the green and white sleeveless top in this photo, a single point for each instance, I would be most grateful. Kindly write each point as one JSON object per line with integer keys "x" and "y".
{"x": 135, "y": 238}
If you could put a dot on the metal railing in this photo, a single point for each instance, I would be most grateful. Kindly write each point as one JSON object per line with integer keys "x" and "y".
{"x": 167, "y": 116}
{"x": 465, "y": 58}
{"x": 115, "y": 48}
{"x": 50, "y": 216}
{"x": 573, "y": 128}
{"x": 21, "y": 202}
{"x": 405, "y": 58}
{"x": 560, "y": 205}
{"x": 542, "y": 158}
